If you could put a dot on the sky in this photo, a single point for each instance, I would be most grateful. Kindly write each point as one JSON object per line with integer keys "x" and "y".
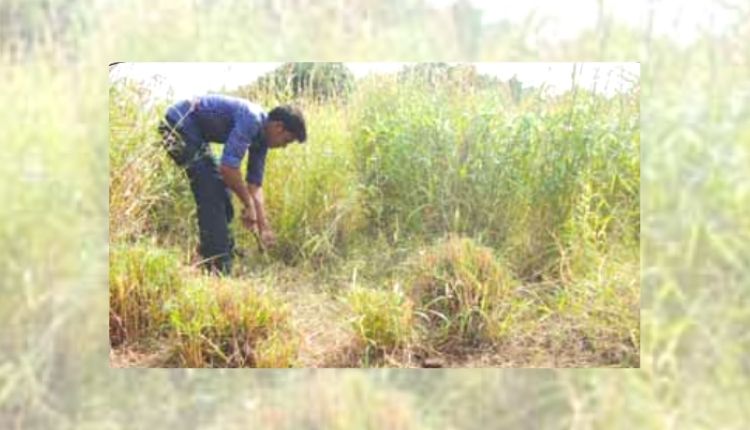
{"x": 681, "y": 21}
{"x": 185, "y": 80}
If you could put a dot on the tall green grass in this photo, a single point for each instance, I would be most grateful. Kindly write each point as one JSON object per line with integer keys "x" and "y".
{"x": 316, "y": 208}
{"x": 147, "y": 193}
{"x": 437, "y": 159}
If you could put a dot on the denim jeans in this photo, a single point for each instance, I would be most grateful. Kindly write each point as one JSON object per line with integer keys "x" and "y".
{"x": 186, "y": 146}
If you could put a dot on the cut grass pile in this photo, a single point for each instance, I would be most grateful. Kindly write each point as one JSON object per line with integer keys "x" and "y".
{"x": 206, "y": 321}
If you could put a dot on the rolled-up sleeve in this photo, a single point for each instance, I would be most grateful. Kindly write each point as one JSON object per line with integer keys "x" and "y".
{"x": 245, "y": 126}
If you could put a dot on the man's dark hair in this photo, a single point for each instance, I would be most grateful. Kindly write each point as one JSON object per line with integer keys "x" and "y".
{"x": 292, "y": 119}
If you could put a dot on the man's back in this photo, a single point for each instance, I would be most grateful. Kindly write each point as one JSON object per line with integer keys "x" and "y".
{"x": 217, "y": 115}
{"x": 223, "y": 119}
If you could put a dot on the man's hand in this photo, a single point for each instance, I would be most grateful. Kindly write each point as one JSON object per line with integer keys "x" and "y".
{"x": 249, "y": 220}
{"x": 268, "y": 237}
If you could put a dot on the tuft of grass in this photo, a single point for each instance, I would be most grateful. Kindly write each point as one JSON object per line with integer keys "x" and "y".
{"x": 219, "y": 322}
{"x": 457, "y": 285}
{"x": 141, "y": 279}
{"x": 383, "y": 320}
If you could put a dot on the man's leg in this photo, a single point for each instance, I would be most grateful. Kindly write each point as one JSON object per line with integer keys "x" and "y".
{"x": 214, "y": 213}
{"x": 229, "y": 214}
{"x": 212, "y": 197}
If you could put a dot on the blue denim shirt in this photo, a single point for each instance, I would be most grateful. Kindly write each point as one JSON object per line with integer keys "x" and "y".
{"x": 235, "y": 122}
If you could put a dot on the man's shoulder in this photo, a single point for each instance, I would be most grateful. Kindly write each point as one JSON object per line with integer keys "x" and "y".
{"x": 254, "y": 110}
{"x": 225, "y": 99}
{"x": 241, "y": 107}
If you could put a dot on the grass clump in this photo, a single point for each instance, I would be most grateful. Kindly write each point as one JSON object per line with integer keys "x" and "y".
{"x": 223, "y": 323}
{"x": 457, "y": 286}
{"x": 383, "y": 320}
{"x": 141, "y": 279}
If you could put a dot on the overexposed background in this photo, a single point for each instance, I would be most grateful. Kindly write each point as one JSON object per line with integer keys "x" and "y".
{"x": 695, "y": 193}
{"x": 185, "y": 80}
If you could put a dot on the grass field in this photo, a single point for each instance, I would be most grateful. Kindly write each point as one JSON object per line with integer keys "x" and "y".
{"x": 54, "y": 349}
{"x": 427, "y": 221}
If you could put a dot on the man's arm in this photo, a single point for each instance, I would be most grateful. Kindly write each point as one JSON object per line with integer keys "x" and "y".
{"x": 234, "y": 150}
{"x": 233, "y": 178}
{"x": 267, "y": 235}
{"x": 256, "y": 196}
